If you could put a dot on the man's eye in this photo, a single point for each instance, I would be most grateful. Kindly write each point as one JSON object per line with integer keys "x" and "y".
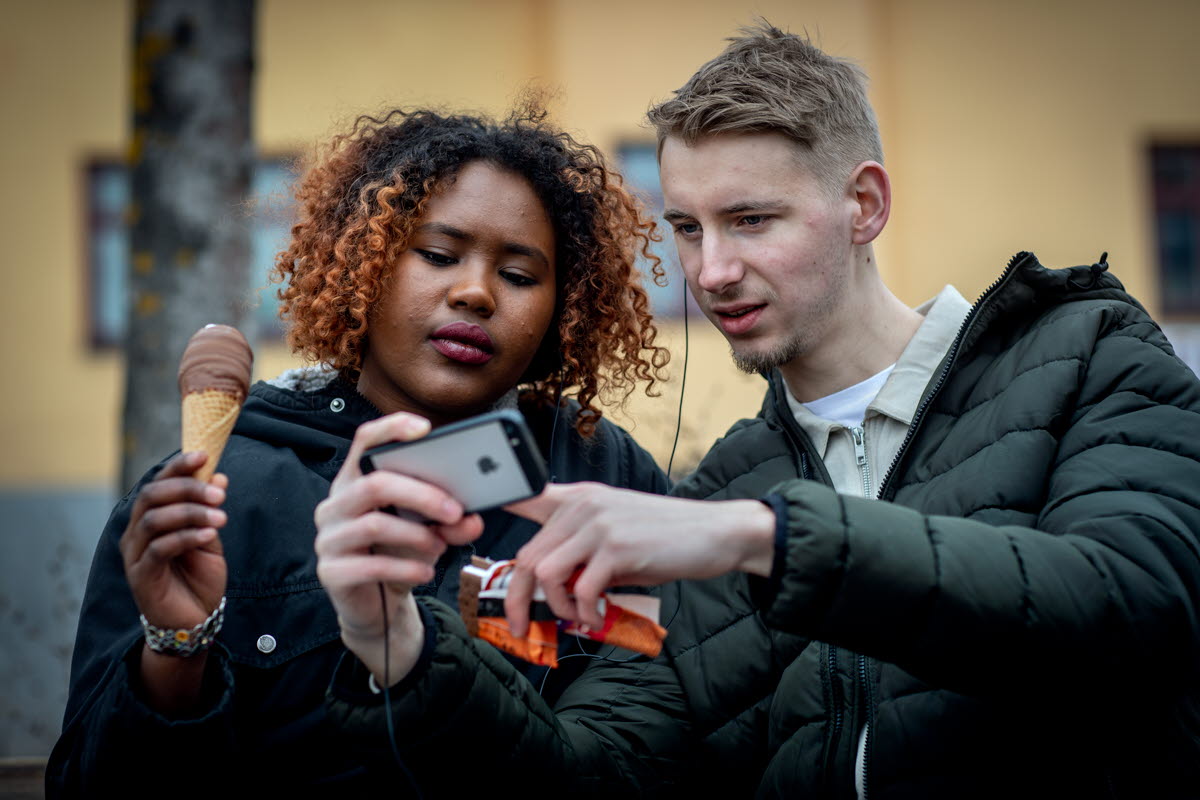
{"x": 437, "y": 259}
{"x": 753, "y": 219}
{"x": 517, "y": 278}
{"x": 687, "y": 228}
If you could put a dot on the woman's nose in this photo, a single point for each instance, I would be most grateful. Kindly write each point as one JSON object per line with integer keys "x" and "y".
{"x": 473, "y": 293}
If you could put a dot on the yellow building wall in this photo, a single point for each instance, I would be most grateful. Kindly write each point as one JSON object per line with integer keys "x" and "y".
{"x": 62, "y": 91}
{"x": 1023, "y": 125}
{"x": 1007, "y": 125}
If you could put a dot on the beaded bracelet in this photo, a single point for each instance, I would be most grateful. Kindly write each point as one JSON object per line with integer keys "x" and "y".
{"x": 180, "y": 642}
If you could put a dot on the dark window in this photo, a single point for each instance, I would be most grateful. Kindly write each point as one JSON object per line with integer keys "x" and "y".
{"x": 108, "y": 245}
{"x": 1176, "y": 188}
{"x": 638, "y": 163}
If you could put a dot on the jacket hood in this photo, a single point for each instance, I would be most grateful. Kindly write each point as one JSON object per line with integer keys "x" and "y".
{"x": 311, "y": 410}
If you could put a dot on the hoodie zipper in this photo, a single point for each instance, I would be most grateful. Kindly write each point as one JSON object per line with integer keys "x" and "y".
{"x": 836, "y": 709}
{"x": 864, "y": 686}
{"x": 858, "y": 435}
{"x": 948, "y": 363}
{"x": 931, "y": 393}
{"x": 814, "y": 469}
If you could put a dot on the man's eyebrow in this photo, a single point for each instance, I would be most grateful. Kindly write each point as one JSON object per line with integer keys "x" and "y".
{"x": 740, "y": 207}
{"x": 743, "y": 206}
{"x": 509, "y": 247}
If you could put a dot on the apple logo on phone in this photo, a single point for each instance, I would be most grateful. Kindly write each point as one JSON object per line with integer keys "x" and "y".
{"x": 486, "y": 465}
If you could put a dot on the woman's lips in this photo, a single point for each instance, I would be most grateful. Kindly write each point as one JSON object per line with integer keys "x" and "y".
{"x": 463, "y": 342}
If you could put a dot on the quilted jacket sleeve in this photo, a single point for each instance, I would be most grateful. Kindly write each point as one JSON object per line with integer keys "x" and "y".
{"x": 689, "y": 720}
{"x": 618, "y": 724}
{"x": 109, "y": 733}
{"x": 1101, "y": 579}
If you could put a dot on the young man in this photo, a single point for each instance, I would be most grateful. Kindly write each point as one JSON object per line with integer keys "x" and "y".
{"x": 956, "y": 554}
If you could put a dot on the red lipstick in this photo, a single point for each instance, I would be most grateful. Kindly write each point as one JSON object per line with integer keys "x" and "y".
{"x": 463, "y": 342}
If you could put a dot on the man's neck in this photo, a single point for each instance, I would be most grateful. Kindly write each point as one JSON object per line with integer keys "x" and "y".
{"x": 868, "y": 335}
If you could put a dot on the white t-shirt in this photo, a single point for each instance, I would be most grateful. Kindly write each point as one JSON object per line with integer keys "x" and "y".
{"x": 849, "y": 406}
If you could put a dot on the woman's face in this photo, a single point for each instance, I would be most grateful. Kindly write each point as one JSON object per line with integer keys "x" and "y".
{"x": 469, "y": 300}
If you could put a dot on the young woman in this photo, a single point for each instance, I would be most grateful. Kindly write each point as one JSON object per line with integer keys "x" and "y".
{"x": 441, "y": 266}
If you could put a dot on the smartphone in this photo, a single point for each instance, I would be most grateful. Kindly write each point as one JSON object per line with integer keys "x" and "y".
{"x": 482, "y": 462}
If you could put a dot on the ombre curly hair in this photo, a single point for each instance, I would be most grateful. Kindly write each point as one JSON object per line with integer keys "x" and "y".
{"x": 361, "y": 197}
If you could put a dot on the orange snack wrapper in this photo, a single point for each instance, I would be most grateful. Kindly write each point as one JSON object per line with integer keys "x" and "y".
{"x": 630, "y": 620}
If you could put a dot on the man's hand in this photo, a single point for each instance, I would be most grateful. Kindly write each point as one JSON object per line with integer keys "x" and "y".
{"x": 359, "y": 547}
{"x": 618, "y": 537}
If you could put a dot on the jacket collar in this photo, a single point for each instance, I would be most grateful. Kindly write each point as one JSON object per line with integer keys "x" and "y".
{"x": 1023, "y": 286}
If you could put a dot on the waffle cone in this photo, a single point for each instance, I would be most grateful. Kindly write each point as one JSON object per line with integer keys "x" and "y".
{"x": 208, "y": 418}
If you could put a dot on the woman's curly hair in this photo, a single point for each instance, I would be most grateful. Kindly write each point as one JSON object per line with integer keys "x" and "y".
{"x": 360, "y": 200}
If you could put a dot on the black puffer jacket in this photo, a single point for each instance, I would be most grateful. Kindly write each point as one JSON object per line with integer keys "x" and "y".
{"x": 265, "y": 728}
{"x": 1020, "y": 620}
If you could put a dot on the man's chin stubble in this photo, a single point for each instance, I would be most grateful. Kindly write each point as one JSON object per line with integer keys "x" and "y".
{"x": 753, "y": 363}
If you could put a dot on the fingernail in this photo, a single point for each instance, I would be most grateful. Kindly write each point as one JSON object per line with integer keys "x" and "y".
{"x": 416, "y": 425}
{"x": 451, "y": 509}
{"x": 216, "y": 517}
{"x": 214, "y": 494}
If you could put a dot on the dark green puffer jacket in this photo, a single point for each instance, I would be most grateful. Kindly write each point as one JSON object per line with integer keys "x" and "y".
{"x": 1020, "y": 620}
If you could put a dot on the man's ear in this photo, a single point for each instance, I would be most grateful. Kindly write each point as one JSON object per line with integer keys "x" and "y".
{"x": 870, "y": 190}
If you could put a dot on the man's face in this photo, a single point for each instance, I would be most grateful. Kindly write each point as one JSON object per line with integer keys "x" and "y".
{"x": 766, "y": 250}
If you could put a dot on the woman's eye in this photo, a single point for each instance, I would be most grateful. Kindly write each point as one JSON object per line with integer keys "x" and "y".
{"x": 517, "y": 278}
{"x": 437, "y": 259}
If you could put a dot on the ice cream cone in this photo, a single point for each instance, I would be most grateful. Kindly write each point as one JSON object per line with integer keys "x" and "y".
{"x": 214, "y": 380}
{"x": 208, "y": 418}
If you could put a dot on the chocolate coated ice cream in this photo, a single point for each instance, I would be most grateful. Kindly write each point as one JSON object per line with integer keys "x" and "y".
{"x": 216, "y": 357}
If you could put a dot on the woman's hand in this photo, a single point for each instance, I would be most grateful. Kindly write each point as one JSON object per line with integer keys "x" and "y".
{"x": 176, "y": 570}
{"x": 172, "y": 554}
{"x": 359, "y": 547}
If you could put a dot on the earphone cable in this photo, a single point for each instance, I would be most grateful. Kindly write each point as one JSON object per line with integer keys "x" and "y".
{"x": 682, "y": 382}
{"x": 387, "y": 700}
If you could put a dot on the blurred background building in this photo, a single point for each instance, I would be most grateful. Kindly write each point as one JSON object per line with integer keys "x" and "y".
{"x": 1067, "y": 128}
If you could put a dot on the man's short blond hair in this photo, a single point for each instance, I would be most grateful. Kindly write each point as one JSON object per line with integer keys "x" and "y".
{"x": 770, "y": 81}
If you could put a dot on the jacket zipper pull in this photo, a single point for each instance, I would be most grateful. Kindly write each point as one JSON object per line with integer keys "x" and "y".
{"x": 860, "y": 457}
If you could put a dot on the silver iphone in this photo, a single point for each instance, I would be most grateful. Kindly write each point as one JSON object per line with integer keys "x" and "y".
{"x": 483, "y": 462}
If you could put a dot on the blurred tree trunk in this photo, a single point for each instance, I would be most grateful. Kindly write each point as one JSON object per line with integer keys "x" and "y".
{"x": 191, "y": 159}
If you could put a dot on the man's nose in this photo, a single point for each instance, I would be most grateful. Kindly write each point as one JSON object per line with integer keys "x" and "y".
{"x": 721, "y": 265}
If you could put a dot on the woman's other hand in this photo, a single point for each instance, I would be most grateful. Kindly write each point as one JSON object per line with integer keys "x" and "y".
{"x": 360, "y": 546}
